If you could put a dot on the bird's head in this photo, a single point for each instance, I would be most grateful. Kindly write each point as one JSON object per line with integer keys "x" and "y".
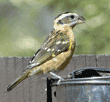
{"x": 68, "y": 19}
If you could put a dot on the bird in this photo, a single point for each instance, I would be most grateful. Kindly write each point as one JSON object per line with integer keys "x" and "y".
{"x": 57, "y": 49}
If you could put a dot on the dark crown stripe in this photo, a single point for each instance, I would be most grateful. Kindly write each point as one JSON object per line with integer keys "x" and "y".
{"x": 62, "y": 13}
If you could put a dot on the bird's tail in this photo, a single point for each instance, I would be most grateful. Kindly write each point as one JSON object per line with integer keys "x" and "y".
{"x": 17, "y": 81}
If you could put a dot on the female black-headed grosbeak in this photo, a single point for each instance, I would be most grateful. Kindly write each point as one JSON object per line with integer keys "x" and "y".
{"x": 56, "y": 50}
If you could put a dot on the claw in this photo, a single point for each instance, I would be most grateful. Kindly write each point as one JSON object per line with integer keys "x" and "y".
{"x": 59, "y": 81}
{"x": 60, "y": 78}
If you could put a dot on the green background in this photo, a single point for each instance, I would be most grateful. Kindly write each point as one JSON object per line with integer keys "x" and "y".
{"x": 24, "y": 24}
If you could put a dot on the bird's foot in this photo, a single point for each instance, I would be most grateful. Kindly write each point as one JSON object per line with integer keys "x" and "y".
{"x": 59, "y": 77}
{"x": 59, "y": 81}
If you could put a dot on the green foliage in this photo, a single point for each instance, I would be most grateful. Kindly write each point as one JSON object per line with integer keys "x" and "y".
{"x": 24, "y": 24}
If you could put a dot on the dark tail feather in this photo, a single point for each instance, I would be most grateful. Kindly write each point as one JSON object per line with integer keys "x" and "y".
{"x": 17, "y": 81}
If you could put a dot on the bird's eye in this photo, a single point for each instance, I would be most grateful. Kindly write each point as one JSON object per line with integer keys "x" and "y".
{"x": 72, "y": 16}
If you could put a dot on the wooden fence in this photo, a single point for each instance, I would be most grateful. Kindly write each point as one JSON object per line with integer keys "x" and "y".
{"x": 33, "y": 88}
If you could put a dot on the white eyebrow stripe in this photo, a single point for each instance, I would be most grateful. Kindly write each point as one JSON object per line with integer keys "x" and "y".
{"x": 64, "y": 15}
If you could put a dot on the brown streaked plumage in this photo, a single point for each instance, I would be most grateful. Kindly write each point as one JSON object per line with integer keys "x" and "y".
{"x": 56, "y": 50}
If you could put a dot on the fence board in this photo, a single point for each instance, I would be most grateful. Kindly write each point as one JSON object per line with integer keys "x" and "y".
{"x": 107, "y": 60}
{"x": 101, "y": 62}
{"x": 18, "y": 71}
{"x": 26, "y": 81}
{"x": 11, "y": 77}
{"x": 3, "y": 79}
{"x": 91, "y": 61}
{"x": 79, "y": 61}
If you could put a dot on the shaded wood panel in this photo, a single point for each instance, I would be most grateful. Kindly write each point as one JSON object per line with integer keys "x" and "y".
{"x": 3, "y": 79}
{"x": 26, "y": 81}
{"x": 101, "y": 61}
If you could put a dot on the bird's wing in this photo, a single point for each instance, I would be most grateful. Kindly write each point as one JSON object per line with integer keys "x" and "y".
{"x": 54, "y": 44}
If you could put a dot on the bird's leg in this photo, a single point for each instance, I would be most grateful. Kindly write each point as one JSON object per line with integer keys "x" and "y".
{"x": 60, "y": 78}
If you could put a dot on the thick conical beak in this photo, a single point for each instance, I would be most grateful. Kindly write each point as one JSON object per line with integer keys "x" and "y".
{"x": 77, "y": 20}
{"x": 81, "y": 19}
